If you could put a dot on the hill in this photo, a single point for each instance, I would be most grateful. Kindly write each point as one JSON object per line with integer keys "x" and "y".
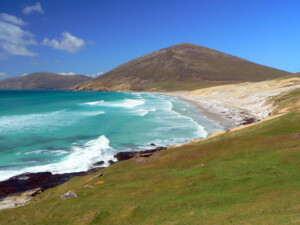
{"x": 43, "y": 80}
{"x": 180, "y": 67}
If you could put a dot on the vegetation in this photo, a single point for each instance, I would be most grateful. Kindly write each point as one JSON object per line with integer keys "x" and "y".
{"x": 248, "y": 176}
{"x": 180, "y": 67}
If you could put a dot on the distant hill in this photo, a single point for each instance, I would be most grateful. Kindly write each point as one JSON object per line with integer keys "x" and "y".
{"x": 180, "y": 67}
{"x": 43, "y": 80}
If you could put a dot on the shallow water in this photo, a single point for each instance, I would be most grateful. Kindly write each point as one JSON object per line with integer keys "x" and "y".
{"x": 64, "y": 131}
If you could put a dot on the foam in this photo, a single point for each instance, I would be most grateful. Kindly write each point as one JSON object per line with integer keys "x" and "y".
{"x": 143, "y": 112}
{"x": 55, "y": 152}
{"x": 81, "y": 159}
{"x": 126, "y": 103}
{"x": 91, "y": 113}
{"x": 93, "y": 103}
{"x": 38, "y": 121}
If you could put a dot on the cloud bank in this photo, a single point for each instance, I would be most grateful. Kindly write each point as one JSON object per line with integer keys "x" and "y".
{"x": 68, "y": 43}
{"x": 11, "y": 19}
{"x": 36, "y": 8}
{"x": 13, "y": 39}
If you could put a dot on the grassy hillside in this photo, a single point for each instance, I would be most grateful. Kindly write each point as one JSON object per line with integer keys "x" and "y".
{"x": 180, "y": 67}
{"x": 43, "y": 80}
{"x": 249, "y": 176}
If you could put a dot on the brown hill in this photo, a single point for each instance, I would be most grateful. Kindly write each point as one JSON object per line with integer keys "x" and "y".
{"x": 180, "y": 67}
{"x": 43, "y": 80}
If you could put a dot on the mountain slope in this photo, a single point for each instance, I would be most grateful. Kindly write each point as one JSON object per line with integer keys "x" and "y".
{"x": 43, "y": 80}
{"x": 180, "y": 67}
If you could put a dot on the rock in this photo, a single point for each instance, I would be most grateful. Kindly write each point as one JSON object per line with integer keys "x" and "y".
{"x": 125, "y": 155}
{"x": 98, "y": 163}
{"x": 69, "y": 194}
{"x": 249, "y": 120}
{"x": 43, "y": 180}
{"x": 111, "y": 162}
{"x": 152, "y": 144}
{"x": 145, "y": 154}
{"x": 32, "y": 193}
{"x": 128, "y": 155}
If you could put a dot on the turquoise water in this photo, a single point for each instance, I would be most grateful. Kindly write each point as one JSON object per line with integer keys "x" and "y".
{"x": 64, "y": 131}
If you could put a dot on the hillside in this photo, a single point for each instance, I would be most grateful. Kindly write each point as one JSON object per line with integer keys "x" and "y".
{"x": 180, "y": 67}
{"x": 247, "y": 176}
{"x": 43, "y": 80}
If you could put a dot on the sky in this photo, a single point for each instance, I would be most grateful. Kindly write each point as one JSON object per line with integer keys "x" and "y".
{"x": 92, "y": 37}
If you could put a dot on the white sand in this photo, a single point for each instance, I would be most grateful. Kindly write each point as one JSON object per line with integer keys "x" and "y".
{"x": 239, "y": 101}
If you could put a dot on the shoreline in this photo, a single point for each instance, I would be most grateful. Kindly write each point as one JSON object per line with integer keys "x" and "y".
{"x": 212, "y": 116}
{"x": 227, "y": 117}
{"x": 226, "y": 107}
{"x": 19, "y": 190}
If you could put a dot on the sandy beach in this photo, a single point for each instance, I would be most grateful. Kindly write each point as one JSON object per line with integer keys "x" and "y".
{"x": 238, "y": 104}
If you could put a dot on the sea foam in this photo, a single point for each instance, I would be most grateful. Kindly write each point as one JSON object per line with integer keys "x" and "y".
{"x": 126, "y": 103}
{"x": 81, "y": 159}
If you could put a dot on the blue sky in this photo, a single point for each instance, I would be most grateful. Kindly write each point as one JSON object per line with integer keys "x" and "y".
{"x": 93, "y": 36}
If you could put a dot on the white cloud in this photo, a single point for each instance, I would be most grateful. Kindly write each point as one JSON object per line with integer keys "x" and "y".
{"x": 14, "y": 40}
{"x": 70, "y": 73}
{"x": 2, "y": 74}
{"x": 36, "y": 8}
{"x": 11, "y": 19}
{"x": 68, "y": 43}
{"x": 24, "y": 74}
{"x": 95, "y": 74}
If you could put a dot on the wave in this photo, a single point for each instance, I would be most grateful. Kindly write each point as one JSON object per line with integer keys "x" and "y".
{"x": 93, "y": 103}
{"x": 39, "y": 121}
{"x": 81, "y": 159}
{"x": 126, "y": 103}
{"x": 55, "y": 152}
{"x": 91, "y": 113}
{"x": 143, "y": 112}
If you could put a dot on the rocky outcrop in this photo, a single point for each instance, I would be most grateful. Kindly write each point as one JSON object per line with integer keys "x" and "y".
{"x": 42, "y": 180}
{"x": 128, "y": 155}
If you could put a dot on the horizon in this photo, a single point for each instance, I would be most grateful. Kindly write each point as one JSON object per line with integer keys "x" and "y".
{"x": 37, "y": 36}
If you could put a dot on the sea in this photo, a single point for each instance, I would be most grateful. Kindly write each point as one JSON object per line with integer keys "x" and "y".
{"x": 67, "y": 131}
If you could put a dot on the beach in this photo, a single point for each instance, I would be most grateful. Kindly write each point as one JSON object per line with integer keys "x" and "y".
{"x": 238, "y": 104}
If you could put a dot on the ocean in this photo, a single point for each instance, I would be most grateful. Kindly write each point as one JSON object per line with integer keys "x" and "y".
{"x": 65, "y": 131}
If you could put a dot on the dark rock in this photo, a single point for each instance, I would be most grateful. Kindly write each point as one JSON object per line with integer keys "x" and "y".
{"x": 128, "y": 155}
{"x": 98, "y": 163}
{"x": 125, "y": 155}
{"x": 42, "y": 180}
{"x": 111, "y": 162}
{"x": 152, "y": 144}
{"x": 249, "y": 120}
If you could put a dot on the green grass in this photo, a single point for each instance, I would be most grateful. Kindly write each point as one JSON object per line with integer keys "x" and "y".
{"x": 250, "y": 176}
